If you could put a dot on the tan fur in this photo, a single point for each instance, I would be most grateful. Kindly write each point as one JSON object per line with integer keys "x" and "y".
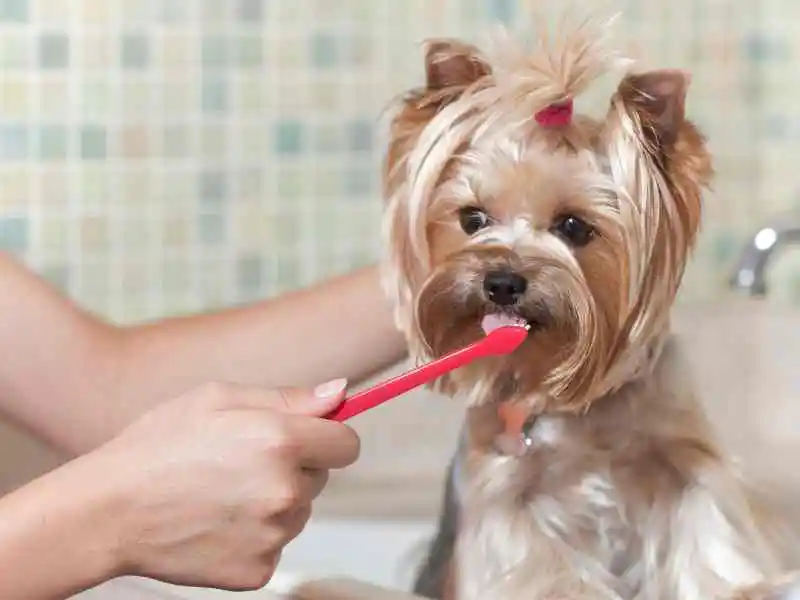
{"x": 624, "y": 492}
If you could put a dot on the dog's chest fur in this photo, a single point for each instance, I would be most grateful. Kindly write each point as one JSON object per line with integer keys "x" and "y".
{"x": 604, "y": 501}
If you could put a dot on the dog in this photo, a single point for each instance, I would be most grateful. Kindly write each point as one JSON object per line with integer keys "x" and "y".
{"x": 588, "y": 469}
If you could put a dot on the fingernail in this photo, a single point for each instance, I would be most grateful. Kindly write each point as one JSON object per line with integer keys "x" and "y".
{"x": 331, "y": 388}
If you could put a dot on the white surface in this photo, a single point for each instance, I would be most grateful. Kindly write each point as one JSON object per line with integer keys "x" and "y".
{"x": 385, "y": 554}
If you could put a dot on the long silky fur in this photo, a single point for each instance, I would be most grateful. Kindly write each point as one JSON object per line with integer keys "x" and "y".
{"x": 624, "y": 493}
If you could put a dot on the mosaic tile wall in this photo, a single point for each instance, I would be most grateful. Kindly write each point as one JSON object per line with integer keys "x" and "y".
{"x": 168, "y": 156}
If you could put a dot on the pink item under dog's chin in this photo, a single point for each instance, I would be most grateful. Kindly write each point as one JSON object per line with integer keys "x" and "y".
{"x": 492, "y": 321}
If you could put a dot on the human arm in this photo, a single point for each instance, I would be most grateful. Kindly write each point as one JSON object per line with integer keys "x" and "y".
{"x": 203, "y": 490}
{"x": 76, "y": 381}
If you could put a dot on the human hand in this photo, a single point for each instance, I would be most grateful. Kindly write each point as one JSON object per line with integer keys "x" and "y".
{"x": 210, "y": 487}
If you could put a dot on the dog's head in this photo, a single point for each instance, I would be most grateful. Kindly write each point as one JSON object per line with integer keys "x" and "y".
{"x": 500, "y": 201}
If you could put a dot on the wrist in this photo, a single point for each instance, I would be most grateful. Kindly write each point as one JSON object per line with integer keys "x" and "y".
{"x": 57, "y": 534}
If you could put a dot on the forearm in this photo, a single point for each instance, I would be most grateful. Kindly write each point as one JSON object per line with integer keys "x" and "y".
{"x": 54, "y": 536}
{"x": 340, "y": 328}
{"x": 76, "y": 381}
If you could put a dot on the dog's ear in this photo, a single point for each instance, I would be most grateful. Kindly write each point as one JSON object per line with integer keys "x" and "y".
{"x": 452, "y": 65}
{"x": 658, "y": 99}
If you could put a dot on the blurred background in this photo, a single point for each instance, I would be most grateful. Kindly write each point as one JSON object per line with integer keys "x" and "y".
{"x": 170, "y": 156}
{"x": 164, "y": 157}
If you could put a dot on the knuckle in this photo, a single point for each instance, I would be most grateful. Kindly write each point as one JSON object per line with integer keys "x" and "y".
{"x": 286, "y": 496}
{"x": 281, "y": 442}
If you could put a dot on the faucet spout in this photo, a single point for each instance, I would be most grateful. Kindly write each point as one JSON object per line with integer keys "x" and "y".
{"x": 749, "y": 275}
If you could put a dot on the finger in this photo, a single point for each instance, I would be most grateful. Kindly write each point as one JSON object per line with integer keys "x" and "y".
{"x": 318, "y": 403}
{"x": 295, "y": 522}
{"x": 322, "y": 444}
{"x": 312, "y": 482}
{"x": 299, "y": 401}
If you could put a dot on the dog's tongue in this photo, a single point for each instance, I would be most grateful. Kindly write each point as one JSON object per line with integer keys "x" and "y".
{"x": 494, "y": 321}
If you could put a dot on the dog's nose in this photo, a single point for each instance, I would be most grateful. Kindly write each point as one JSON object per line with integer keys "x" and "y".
{"x": 504, "y": 287}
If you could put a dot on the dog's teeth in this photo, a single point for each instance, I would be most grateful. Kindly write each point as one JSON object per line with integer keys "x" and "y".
{"x": 493, "y": 321}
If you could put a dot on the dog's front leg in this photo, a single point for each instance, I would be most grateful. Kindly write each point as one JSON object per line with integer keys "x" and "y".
{"x": 712, "y": 546}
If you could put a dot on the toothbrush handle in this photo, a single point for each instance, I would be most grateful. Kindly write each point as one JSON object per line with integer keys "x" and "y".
{"x": 405, "y": 382}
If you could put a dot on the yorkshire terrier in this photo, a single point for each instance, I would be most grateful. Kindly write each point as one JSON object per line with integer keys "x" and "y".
{"x": 588, "y": 468}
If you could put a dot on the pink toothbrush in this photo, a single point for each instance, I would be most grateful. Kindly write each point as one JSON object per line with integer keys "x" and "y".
{"x": 503, "y": 336}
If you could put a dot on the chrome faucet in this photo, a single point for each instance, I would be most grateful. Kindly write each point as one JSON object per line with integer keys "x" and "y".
{"x": 749, "y": 274}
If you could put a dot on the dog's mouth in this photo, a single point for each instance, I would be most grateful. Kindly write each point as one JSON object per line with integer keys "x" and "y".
{"x": 494, "y": 319}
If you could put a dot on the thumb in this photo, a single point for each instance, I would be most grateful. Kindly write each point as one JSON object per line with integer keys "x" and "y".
{"x": 322, "y": 400}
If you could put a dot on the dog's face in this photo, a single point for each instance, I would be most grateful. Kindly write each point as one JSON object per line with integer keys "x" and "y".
{"x": 583, "y": 229}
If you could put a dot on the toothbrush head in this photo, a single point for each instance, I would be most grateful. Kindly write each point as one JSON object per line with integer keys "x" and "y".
{"x": 504, "y": 334}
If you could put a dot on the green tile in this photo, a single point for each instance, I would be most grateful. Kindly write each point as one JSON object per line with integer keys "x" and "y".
{"x": 214, "y": 51}
{"x": 53, "y": 142}
{"x": 134, "y": 51}
{"x": 214, "y": 95}
{"x": 16, "y": 11}
{"x": 250, "y": 51}
{"x": 211, "y": 229}
{"x": 14, "y": 142}
{"x": 250, "y": 273}
{"x": 93, "y": 142}
{"x": 53, "y": 51}
{"x": 14, "y": 234}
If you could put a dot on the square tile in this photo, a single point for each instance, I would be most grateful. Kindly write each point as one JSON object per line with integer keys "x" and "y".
{"x": 94, "y": 234}
{"x": 211, "y": 229}
{"x": 96, "y": 96}
{"x": 15, "y": 97}
{"x": 250, "y": 11}
{"x": 328, "y": 138}
{"x": 53, "y": 142}
{"x": 214, "y": 95}
{"x": 215, "y": 51}
{"x": 175, "y": 232}
{"x": 59, "y": 276}
{"x": 53, "y": 51}
{"x": 14, "y": 50}
{"x": 250, "y": 51}
{"x": 93, "y": 142}
{"x": 14, "y": 234}
{"x": 95, "y": 51}
{"x": 292, "y": 183}
{"x": 178, "y": 50}
{"x": 135, "y": 98}
{"x": 134, "y": 51}
{"x": 214, "y": 142}
{"x": 176, "y": 276}
{"x": 359, "y": 182}
{"x": 14, "y": 142}
{"x": 289, "y": 137}
{"x": 178, "y": 98}
{"x": 251, "y": 95}
{"x": 134, "y": 141}
{"x": 324, "y": 50}
{"x": 14, "y": 10}
{"x": 175, "y": 141}
{"x": 175, "y": 12}
{"x": 15, "y": 189}
{"x": 215, "y": 12}
{"x": 250, "y": 273}
{"x": 213, "y": 189}
{"x": 95, "y": 187}
{"x": 360, "y": 136}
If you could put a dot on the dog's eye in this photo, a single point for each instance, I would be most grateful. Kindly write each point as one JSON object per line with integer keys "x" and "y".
{"x": 575, "y": 231}
{"x": 472, "y": 219}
